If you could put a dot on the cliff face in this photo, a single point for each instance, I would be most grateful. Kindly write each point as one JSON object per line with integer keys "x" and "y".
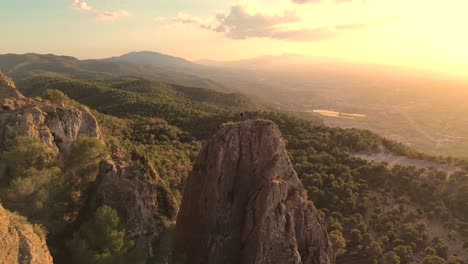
{"x": 19, "y": 243}
{"x": 133, "y": 187}
{"x": 245, "y": 204}
{"x": 56, "y": 126}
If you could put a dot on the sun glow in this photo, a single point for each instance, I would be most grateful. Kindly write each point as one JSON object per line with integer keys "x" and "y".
{"x": 429, "y": 34}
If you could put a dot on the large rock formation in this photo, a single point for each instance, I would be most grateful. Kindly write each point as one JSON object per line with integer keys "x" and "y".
{"x": 19, "y": 242}
{"x": 57, "y": 126}
{"x": 133, "y": 187}
{"x": 130, "y": 185}
{"x": 245, "y": 204}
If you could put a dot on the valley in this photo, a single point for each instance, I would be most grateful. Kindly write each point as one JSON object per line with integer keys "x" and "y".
{"x": 395, "y": 102}
{"x": 234, "y": 132}
{"x": 147, "y": 141}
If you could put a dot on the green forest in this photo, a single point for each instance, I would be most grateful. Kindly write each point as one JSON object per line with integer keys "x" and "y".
{"x": 374, "y": 213}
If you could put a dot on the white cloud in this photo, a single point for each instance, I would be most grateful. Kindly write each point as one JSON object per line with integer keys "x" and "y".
{"x": 244, "y": 22}
{"x": 81, "y": 5}
{"x": 241, "y": 22}
{"x": 111, "y": 16}
{"x": 187, "y": 19}
{"x": 104, "y": 16}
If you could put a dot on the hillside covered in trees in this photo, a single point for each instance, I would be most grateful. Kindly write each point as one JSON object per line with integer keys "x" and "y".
{"x": 374, "y": 213}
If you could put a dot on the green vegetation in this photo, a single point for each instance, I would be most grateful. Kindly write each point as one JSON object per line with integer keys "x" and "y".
{"x": 82, "y": 161}
{"x": 374, "y": 214}
{"x": 45, "y": 189}
{"x": 100, "y": 240}
{"x": 33, "y": 184}
{"x": 369, "y": 203}
{"x": 56, "y": 96}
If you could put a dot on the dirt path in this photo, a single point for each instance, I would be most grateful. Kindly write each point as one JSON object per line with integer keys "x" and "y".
{"x": 393, "y": 160}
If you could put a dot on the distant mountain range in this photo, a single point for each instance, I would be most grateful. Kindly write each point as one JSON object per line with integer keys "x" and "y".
{"x": 140, "y": 64}
{"x": 153, "y": 58}
{"x": 400, "y": 103}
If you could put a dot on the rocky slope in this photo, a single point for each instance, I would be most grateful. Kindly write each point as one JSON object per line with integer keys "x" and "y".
{"x": 245, "y": 204}
{"x": 129, "y": 184}
{"x": 57, "y": 126}
{"x": 133, "y": 187}
{"x": 19, "y": 242}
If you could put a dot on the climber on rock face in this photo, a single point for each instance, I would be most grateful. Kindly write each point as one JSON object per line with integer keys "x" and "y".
{"x": 242, "y": 116}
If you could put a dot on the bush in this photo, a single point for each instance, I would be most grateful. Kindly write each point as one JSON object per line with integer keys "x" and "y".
{"x": 433, "y": 260}
{"x": 56, "y": 96}
{"x": 37, "y": 193}
{"x": 83, "y": 159}
{"x": 23, "y": 153}
{"x": 32, "y": 184}
{"x": 100, "y": 240}
{"x": 391, "y": 258}
{"x": 338, "y": 242}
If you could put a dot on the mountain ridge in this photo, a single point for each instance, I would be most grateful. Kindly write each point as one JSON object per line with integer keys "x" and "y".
{"x": 164, "y": 67}
{"x": 152, "y": 57}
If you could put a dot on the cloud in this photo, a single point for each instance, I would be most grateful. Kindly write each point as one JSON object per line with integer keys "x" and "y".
{"x": 306, "y": 34}
{"x": 81, "y": 5}
{"x": 111, "y": 16}
{"x": 104, "y": 16}
{"x": 187, "y": 19}
{"x": 239, "y": 23}
{"x": 357, "y": 26}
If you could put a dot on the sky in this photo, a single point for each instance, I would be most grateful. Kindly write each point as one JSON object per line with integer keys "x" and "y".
{"x": 421, "y": 33}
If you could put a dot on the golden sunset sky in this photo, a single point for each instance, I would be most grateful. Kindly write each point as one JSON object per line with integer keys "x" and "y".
{"x": 422, "y": 33}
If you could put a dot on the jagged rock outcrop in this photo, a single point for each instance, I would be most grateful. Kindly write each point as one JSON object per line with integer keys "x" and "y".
{"x": 129, "y": 184}
{"x": 57, "y": 126}
{"x": 133, "y": 187}
{"x": 19, "y": 243}
{"x": 8, "y": 91}
{"x": 244, "y": 203}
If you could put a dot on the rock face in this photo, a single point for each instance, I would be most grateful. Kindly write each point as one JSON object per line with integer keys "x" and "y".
{"x": 245, "y": 204}
{"x": 56, "y": 126}
{"x": 19, "y": 243}
{"x": 140, "y": 196}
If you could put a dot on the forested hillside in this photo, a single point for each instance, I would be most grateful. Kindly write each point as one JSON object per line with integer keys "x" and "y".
{"x": 374, "y": 214}
{"x": 167, "y": 68}
{"x": 131, "y": 97}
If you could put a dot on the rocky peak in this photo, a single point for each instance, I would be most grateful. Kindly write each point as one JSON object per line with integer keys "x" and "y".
{"x": 57, "y": 126}
{"x": 8, "y": 93}
{"x": 244, "y": 203}
{"x": 8, "y": 88}
{"x": 20, "y": 242}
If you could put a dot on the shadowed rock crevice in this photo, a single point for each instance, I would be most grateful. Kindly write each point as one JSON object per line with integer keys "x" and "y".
{"x": 245, "y": 204}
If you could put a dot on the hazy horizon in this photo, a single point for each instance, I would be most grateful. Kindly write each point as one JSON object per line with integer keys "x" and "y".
{"x": 378, "y": 31}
